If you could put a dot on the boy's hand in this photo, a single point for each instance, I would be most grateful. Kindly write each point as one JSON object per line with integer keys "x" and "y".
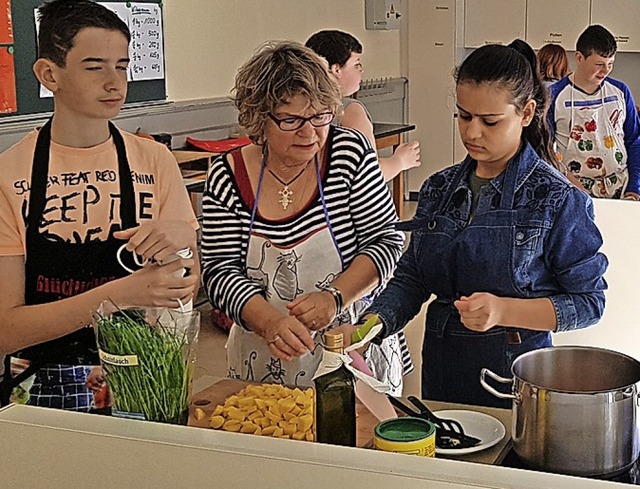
{"x": 96, "y": 379}
{"x": 158, "y": 239}
{"x": 158, "y": 285}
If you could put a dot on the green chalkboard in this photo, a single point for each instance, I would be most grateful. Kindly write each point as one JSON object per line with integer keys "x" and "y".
{"x": 24, "y": 51}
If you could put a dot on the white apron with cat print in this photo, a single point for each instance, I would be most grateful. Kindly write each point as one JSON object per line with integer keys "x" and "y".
{"x": 285, "y": 274}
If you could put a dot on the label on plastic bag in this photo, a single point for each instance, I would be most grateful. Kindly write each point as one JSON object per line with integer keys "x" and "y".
{"x": 128, "y": 415}
{"x": 118, "y": 360}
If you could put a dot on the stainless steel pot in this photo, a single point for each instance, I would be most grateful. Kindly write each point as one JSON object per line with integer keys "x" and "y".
{"x": 575, "y": 409}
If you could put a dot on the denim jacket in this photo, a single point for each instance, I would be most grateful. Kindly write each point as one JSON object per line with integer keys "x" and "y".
{"x": 551, "y": 249}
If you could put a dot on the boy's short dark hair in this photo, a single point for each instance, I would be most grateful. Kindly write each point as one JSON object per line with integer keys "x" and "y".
{"x": 335, "y": 46}
{"x": 61, "y": 20}
{"x": 596, "y": 39}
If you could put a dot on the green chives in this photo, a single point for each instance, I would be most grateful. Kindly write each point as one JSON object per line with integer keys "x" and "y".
{"x": 159, "y": 386}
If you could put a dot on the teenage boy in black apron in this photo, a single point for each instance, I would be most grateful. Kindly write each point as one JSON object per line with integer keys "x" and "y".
{"x": 71, "y": 194}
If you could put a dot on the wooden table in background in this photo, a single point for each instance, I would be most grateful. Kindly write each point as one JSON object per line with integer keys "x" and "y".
{"x": 390, "y": 136}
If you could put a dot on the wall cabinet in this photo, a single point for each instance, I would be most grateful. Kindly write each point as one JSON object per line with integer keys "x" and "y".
{"x": 489, "y": 22}
{"x": 621, "y": 18}
{"x": 553, "y": 22}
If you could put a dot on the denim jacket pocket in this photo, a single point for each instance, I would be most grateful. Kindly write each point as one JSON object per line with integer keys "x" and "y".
{"x": 527, "y": 244}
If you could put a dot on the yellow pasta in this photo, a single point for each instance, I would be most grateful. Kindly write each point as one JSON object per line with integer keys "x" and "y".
{"x": 267, "y": 410}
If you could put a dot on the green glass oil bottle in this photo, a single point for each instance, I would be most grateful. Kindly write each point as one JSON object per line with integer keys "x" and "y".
{"x": 336, "y": 401}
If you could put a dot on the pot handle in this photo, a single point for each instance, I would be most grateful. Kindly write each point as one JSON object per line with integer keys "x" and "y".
{"x": 484, "y": 372}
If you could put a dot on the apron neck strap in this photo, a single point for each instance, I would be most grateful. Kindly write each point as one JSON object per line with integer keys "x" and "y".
{"x": 40, "y": 173}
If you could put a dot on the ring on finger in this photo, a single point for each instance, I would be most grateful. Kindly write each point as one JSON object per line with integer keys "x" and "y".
{"x": 275, "y": 338}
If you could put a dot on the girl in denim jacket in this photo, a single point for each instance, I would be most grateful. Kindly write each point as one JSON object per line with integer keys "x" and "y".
{"x": 504, "y": 242}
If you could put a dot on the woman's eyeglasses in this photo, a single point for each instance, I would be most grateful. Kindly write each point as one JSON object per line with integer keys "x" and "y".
{"x": 294, "y": 122}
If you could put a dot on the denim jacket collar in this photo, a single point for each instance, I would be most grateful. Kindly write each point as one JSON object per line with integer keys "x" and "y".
{"x": 526, "y": 159}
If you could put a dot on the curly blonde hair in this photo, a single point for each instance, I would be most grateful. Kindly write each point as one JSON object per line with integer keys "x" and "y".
{"x": 275, "y": 73}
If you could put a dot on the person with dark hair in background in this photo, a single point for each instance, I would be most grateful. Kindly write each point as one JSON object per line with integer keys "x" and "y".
{"x": 506, "y": 244}
{"x": 343, "y": 52}
{"x": 553, "y": 63}
{"x": 69, "y": 201}
{"x": 594, "y": 121}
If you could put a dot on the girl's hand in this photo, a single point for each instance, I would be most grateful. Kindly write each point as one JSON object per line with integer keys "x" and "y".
{"x": 287, "y": 337}
{"x": 315, "y": 310}
{"x": 481, "y": 311}
{"x": 158, "y": 239}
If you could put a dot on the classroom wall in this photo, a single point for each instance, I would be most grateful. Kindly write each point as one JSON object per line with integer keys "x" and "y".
{"x": 206, "y": 41}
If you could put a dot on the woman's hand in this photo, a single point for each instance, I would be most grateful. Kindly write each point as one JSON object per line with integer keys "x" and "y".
{"x": 158, "y": 239}
{"x": 315, "y": 310}
{"x": 287, "y": 337}
{"x": 481, "y": 311}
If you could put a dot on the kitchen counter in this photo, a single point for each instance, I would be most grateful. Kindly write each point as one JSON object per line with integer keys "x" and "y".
{"x": 56, "y": 449}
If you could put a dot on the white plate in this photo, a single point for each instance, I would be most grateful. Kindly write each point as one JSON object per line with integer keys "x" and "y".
{"x": 480, "y": 425}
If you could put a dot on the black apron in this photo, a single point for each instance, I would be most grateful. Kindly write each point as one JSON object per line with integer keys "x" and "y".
{"x": 55, "y": 269}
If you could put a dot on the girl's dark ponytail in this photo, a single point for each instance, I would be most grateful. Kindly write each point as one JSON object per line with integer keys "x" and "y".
{"x": 537, "y": 132}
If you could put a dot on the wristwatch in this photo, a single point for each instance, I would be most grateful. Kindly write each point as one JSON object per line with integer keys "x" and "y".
{"x": 337, "y": 296}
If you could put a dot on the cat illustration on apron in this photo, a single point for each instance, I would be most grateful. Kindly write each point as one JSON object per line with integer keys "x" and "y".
{"x": 285, "y": 273}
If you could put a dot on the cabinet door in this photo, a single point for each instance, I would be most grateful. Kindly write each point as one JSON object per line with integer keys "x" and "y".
{"x": 431, "y": 61}
{"x": 621, "y": 18}
{"x": 493, "y": 22}
{"x": 551, "y": 21}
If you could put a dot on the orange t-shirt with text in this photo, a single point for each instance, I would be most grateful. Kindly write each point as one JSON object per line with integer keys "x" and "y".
{"x": 83, "y": 191}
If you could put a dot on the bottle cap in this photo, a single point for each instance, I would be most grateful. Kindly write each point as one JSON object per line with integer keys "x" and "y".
{"x": 333, "y": 340}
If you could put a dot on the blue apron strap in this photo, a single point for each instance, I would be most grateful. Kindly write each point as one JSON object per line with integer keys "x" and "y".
{"x": 511, "y": 179}
{"x": 326, "y": 211}
{"x": 263, "y": 165}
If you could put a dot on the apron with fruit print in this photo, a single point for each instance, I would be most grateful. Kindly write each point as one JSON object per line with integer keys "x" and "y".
{"x": 595, "y": 152}
{"x": 285, "y": 273}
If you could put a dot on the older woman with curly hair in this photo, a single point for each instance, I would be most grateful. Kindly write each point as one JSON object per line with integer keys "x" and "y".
{"x": 298, "y": 226}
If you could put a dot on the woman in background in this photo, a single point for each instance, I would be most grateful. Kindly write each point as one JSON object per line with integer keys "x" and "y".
{"x": 343, "y": 52}
{"x": 553, "y": 63}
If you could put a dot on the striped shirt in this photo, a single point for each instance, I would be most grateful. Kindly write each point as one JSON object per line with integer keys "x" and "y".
{"x": 360, "y": 211}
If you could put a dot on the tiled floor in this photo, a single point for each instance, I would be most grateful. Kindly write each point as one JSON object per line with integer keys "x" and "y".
{"x": 211, "y": 354}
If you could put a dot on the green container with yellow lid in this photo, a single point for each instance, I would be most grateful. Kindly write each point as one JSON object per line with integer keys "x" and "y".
{"x": 415, "y": 436}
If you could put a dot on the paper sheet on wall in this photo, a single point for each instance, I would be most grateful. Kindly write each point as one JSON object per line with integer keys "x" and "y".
{"x": 8, "y": 101}
{"x": 6, "y": 25}
{"x": 147, "y": 40}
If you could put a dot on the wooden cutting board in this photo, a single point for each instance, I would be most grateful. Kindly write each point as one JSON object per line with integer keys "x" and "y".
{"x": 209, "y": 398}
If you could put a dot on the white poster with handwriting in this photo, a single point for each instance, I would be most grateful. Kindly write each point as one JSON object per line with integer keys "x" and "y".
{"x": 147, "y": 41}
